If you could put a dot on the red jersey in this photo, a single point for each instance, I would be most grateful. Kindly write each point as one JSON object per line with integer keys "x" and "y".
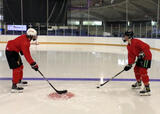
{"x": 21, "y": 43}
{"x": 136, "y": 47}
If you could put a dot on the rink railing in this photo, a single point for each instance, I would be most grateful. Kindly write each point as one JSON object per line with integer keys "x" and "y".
{"x": 77, "y": 40}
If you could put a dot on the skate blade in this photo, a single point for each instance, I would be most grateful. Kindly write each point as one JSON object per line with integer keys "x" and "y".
{"x": 145, "y": 94}
{"x": 16, "y": 91}
{"x": 136, "y": 88}
{"x": 22, "y": 85}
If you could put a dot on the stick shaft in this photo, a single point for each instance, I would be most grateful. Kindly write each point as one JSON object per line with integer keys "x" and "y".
{"x": 48, "y": 81}
{"x": 112, "y": 78}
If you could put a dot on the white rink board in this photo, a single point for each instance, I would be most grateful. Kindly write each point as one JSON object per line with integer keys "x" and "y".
{"x": 154, "y": 43}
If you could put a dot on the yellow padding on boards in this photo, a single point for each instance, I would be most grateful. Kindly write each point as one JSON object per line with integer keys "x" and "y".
{"x": 69, "y": 43}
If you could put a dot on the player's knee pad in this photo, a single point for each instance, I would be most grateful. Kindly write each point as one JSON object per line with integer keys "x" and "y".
{"x": 136, "y": 69}
{"x": 16, "y": 71}
{"x": 21, "y": 67}
{"x": 143, "y": 71}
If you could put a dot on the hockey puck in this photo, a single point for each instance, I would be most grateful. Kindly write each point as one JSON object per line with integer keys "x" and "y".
{"x": 98, "y": 87}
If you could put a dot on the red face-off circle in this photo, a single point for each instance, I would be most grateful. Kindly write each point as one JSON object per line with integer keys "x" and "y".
{"x": 57, "y": 96}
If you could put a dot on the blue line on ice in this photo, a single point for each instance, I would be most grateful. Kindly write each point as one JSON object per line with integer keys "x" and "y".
{"x": 78, "y": 79}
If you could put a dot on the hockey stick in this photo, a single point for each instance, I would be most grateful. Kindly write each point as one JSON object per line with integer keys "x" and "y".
{"x": 110, "y": 79}
{"x": 59, "y": 92}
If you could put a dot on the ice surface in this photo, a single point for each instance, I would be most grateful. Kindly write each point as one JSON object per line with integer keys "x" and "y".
{"x": 85, "y": 62}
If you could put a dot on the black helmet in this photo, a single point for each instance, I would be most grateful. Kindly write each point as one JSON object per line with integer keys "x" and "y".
{"x": 129, "y": 33}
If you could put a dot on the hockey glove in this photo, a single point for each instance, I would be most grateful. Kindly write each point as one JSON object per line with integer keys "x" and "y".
{"x": 127, "y": 67}
{"x": 34, "y": 66}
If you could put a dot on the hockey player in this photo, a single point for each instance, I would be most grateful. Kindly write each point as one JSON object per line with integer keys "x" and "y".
{"x": 20, "y": 45}
{"x": 141, "y": 50}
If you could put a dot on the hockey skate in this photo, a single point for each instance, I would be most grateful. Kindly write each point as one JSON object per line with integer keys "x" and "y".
{"x": 22, "y": 83}
{"x": 137, "y": 85}
{"x": 16, "y": 89}
{"x": 146, "y": 91}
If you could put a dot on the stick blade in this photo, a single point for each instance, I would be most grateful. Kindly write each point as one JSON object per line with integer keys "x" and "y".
{"x": 62, "y": 92}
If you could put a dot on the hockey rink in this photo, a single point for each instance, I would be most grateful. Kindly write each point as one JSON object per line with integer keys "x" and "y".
{"x": 78, "y": 68}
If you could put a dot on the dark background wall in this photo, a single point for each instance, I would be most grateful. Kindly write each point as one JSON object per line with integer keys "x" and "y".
{"x": 35, "y": 11}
